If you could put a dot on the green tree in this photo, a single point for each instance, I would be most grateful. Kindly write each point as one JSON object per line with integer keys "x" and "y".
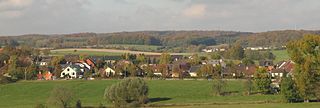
{"x": 215, "y": 56}
{"x": 288, "y": 89}
{"x": 247, "y": 61}
{"x": 130, "y": 92}
{"x": 306, "y": 55}
{"x": 268, "y": 55}
{"x": 262, "y": 80}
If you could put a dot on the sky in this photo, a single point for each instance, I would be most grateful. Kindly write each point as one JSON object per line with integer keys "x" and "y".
{"x": 19, "y": 17}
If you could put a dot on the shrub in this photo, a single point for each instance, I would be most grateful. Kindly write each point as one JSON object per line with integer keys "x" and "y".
{"x": 6, "y": 80}
{"x": 78, "y": 104}
{"x": 219, "y": 87}
{"x": 40, "y": 106}
{"x": 130, "y": 92}
{"x": 248, "y": 86}
{"x": 61, "y": 97}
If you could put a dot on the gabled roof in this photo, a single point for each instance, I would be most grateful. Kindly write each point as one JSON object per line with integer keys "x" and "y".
{"x": 194, "y": 69}
{"x": 286, "y": 66}
{"x": 265, "y": 63}
{"x": 74, "y": 67}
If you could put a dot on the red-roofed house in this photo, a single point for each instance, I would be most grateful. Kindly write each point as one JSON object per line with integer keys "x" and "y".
{"x": 282, "y": 68}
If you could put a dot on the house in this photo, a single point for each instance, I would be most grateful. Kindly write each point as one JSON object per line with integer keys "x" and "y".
{"x": 43, "y": 61}
{"x": 214, "y": 62}
{"x": 193, "y": 70}
{"x": 247, "y": 71}
{"x": 71, "y": 71}
{"x": 109, "y": 71}
{"x": 282, "y": 68}
{"x": 48, "y": 76}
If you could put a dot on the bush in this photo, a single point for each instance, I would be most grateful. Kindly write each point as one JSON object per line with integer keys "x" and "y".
{"x": 219, "y": 87}
{"x": 61, "y": 97}
{"x": 41, "y": 106}
{"x": 6, "y": 80}
{"x": 130, "y": 92}
{"x": 248, "y": 86}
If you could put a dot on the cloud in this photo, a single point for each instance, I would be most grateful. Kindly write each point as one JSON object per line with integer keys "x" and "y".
{"x": 13, "y": 8}
{"x": 14, "y": 4}
{"x": 195, "y": 11}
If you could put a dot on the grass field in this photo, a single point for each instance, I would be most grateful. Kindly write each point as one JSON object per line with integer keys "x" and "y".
{"x": 107, "y": 52}
{"x": 148, "y": 48}
{"x": 92, "y": 53}
{"x": 170, "y": 93}
{"x": 281, "y": 55}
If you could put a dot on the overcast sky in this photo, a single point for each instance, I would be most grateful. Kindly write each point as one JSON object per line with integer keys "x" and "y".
{"x": 72, "y": 16}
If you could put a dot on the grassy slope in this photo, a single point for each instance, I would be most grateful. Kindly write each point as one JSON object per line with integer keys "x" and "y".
{"x": 30, "y": 93}
{"x": 281, "y": 55}
{"x": 92, "y": 53}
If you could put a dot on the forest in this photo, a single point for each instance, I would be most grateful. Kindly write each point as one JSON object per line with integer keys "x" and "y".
{"x": 173, "y": 41}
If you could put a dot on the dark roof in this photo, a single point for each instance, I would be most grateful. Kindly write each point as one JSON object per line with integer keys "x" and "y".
{"x": 194, "y": 69}
{"x": 265, "y": 63}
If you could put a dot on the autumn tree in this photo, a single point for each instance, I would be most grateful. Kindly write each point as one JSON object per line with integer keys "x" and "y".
{"x": 141, "y": 59}
{"x": 55, "y": 62}
{"x": 12, "y": 68}
{"x": 236, "y": 52}
{"x": 195, "y": 59}
{"x": 206, "y": 71}
{"x": 262, "y": 80}
{"x": 165, "y": 58}
{"x": 177, "y": 71}
{"x": 306, "y": 55}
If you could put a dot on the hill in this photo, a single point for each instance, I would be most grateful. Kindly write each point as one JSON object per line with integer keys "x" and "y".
{"x": 168, "y": 41}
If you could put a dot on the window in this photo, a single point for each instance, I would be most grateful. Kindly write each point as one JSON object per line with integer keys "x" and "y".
{"x": 68, "y": 69}
{"x": 63, "y": 74}
{"x": 72, "y": 73}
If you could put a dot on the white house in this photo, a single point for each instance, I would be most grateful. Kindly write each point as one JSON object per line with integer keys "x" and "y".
{"x": 109, "y": 71}
{"x": 72, "y": 70}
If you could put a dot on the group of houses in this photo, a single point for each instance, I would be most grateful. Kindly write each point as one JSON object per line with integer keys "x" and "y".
{"x": 72, "y": 68}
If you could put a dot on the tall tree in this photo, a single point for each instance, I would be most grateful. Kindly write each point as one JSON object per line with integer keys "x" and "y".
{"x": 288, "y": 89}
{"x": 306, "y": 55}
{"x": 262, "y": 80}
{"x": 236, "y": 52}
{"x": 165, "y": 58}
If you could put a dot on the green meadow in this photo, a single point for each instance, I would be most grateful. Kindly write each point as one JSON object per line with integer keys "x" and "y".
{"x": 162, "y": 93}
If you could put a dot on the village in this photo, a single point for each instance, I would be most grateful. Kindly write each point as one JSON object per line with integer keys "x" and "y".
{"x": 179, "y": 67}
